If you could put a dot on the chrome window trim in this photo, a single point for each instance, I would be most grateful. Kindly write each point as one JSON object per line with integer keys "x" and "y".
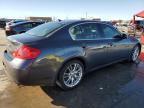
{"x": 92, "y": 23}
{"x": 93, "y": 39}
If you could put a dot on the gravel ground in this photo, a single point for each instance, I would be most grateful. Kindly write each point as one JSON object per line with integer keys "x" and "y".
{"x": 3, "y": 78}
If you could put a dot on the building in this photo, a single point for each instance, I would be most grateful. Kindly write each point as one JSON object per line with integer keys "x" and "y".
{"x": 91, "y": 18}
{"x": 46, "y": 19}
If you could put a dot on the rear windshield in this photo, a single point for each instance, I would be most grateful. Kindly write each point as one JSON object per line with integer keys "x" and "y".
{"x": 45, "y": 29}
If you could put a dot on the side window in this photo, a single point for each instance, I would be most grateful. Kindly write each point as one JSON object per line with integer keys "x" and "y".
{"x": 36, "y": 24}
{"x": 27, "y": 26}
{"x": 108, "y": 31}
{"x": 85, "y": 31}
{"x": 18, "y": 28}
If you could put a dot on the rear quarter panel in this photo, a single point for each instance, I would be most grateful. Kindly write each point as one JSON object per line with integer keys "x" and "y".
{"x": 56, "y": 50}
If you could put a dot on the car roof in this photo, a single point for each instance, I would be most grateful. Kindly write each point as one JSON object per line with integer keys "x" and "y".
{"x": 67, "y": 22}
{"x": 83, "y": 21}
{"x": 77, "y": 21}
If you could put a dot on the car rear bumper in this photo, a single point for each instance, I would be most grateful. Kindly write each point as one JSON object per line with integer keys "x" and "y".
{"x": 28, "y": 75}
{"x": 16, "y": 75}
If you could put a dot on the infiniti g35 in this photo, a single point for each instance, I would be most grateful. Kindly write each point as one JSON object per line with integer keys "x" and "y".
{"x": 63, "y": 52}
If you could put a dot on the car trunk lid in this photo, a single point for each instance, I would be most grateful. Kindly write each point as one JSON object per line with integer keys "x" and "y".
{"x": 16, "y": 41}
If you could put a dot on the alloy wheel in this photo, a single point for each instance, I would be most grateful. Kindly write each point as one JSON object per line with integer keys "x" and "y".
{"x": 135, "y": 53}
{"x": 72, "y": 74}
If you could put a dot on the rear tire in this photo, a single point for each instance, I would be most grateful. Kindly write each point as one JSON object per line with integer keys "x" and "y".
{"x": 70, "y": 75}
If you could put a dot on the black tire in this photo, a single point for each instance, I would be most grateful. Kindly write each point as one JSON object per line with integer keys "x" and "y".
{"x": 61, "y": 82}
{"x": 132, "y": 54}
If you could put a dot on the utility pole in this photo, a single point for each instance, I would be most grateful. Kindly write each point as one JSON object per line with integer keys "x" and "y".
{"x": 86, "y": 15}
{"x": 67, "y": 17}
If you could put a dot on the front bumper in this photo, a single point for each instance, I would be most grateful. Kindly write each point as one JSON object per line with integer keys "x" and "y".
{"x": 27, "y": 73}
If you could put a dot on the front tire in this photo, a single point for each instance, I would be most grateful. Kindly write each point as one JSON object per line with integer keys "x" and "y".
{"x": 70, "y": 75}
{"x": 135, "y": 54}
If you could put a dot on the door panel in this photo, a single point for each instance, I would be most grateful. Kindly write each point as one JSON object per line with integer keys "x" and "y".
{"x": 95, "y": 52}
{"x": 117, "y": 47}
{"x": 93, "y": 44}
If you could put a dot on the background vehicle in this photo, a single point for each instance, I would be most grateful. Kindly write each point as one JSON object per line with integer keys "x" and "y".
{"x": 21, "y": 27}
{"x": 140, "y": 24}
{"x": 14, "y": 22}
{"x": 62, "y": 52}
{"x": 2, "y": 24}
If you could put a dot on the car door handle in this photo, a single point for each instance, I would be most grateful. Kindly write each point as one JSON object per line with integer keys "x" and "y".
{"x": 110, "y": 44}
{"x": 84, "y": 47}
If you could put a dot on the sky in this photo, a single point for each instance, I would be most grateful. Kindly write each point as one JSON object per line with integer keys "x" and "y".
{"x": 71, "y": 9}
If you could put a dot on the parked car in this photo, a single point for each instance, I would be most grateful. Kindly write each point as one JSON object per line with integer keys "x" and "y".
{"x": 14, "y": 22}
{"x": 21, "y": 27}
{"x": 139, "y": 24}
{"x": 63, "y": 52}
{"x": 2, "y": 24}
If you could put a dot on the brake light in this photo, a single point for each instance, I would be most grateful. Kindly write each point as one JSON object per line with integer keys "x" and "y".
{"x": 26, "y": 52}
{"x": 8, "y": 28}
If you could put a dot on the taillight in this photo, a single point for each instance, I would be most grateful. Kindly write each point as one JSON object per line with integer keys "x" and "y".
{"x": 26, "y": 52}
{"x": 8, "y": 28}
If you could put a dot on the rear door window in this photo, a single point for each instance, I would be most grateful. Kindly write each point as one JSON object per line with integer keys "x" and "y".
{"x": 27, "y": 26}
{"x": 88, "y": 31}
{"x": 34, "y": 24}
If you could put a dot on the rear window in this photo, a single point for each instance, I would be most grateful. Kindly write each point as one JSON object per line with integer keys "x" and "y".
{"x": 45, "y": 29}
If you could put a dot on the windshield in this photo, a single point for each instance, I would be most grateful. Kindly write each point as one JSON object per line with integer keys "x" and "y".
{"x": 45, "y": 29}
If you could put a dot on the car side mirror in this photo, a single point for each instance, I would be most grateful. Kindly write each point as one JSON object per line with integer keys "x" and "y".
{"x": 122, "y": 36}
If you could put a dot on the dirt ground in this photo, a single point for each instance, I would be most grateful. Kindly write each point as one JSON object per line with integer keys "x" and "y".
{"x": 118, "y": 86}
{"x": 3, "y": 79}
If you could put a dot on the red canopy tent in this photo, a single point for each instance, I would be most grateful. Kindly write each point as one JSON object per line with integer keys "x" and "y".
{"x": 133, "y": 22}
{"x": 140, "y": 14}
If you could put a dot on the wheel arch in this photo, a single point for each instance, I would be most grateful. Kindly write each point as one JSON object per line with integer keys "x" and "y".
{"x": 81, "y": 59}
{"x": 139, "y": 45}
{"x": 135, "y": 45}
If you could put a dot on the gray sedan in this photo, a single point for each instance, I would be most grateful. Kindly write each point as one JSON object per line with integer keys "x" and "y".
{"x": 63, "y": 52}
